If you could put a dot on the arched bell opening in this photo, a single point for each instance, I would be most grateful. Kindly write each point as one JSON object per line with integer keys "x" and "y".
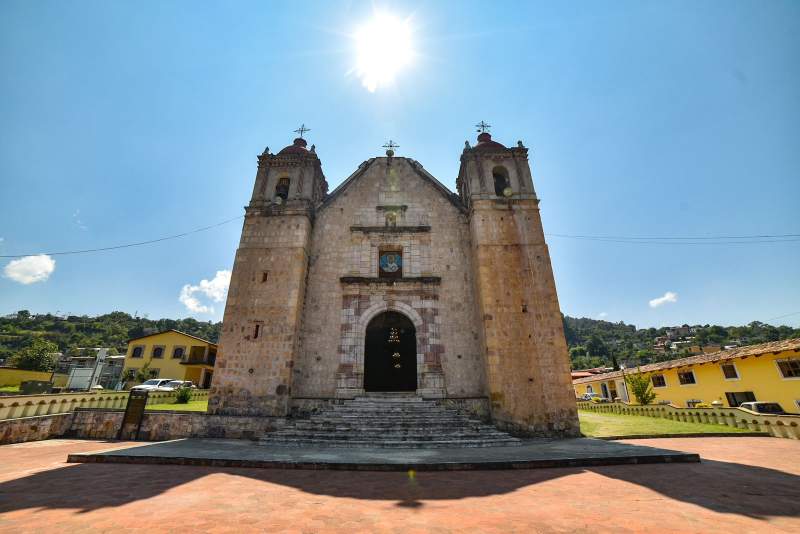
{"x": 501, "y": 181}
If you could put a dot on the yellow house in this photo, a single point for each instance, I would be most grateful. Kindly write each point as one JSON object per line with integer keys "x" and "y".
{"x": 172, "y": 354}
{"x": 767, "y": 372}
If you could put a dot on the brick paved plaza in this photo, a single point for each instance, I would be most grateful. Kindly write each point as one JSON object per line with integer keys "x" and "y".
{"x": 743, "y": 484}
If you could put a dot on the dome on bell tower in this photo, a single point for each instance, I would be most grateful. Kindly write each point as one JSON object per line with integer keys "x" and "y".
{"x": 297, "y": 147}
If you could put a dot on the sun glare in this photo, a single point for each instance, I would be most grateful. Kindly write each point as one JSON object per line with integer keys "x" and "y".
{"x": 383, "y": 48}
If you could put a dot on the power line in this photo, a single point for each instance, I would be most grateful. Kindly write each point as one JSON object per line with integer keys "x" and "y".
{"x": 127, "y": 245}
{"x": 720, "y": 240}
{"x": 636, "y": 240}
{"x": 782, "y": 316}
{"x": 676, "y": 238}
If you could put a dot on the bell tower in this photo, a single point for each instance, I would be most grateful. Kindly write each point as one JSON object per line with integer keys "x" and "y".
{"x": 259, "y": 340}
{"x": 525, "y": 352}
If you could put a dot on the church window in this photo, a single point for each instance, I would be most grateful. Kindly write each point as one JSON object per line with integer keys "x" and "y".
{"x": 390, "y": 263}
{"x": 256, "y": 331}
{"x": 282, "y": 189}
{"x": 501, "y": 181}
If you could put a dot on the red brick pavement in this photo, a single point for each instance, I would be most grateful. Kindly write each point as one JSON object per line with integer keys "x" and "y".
{"x": 743, "y": 485}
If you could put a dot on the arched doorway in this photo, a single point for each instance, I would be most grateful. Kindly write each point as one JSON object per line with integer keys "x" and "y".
{"x": 390, "y": 354}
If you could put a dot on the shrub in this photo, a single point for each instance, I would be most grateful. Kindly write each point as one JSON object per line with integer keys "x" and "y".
{"x": 183, "y": 396}
{"x": 640, "y": 387}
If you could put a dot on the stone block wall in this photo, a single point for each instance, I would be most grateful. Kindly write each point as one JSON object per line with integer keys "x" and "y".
{"x": 526, "y": 353}
{"x": 258, "y": 342}
{"x": 34, "y": 428}
{"x": 348, "y": 233}
{"x": 166, "y": 425}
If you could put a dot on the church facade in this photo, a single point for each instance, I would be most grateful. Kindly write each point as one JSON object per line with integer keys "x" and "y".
{"x": 393, "y": 283}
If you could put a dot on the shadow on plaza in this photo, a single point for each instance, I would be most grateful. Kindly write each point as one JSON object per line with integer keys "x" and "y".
{"x": 723, "y": 487}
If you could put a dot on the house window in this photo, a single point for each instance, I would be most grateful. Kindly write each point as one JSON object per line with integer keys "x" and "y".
{"x": 589, "y": 389}
{"x": 735, "y": 398}
{"x": 658, "y": 381}
{"x": 729, "y": 371}
{"x": 789, "y": 368}
{"x": 158, "y": 351}
{"x": 178, "y": 352}
{"x": 390, "y": 263}
{"x": 686, "y": 378}
{"x": 501, "y": 182}
{"x": 138, "y": 351}
{"x": 282, "y": 189}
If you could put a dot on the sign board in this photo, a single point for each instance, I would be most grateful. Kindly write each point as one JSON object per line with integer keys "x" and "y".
{"x": 134, "y": 413}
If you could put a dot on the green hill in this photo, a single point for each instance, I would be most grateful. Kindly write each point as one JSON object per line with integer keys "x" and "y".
{"x": 592, "y": 343}
{"x": 109, "y": 330}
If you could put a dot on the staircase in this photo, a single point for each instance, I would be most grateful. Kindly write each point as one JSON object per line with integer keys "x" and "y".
{"x": 389, "y": 421}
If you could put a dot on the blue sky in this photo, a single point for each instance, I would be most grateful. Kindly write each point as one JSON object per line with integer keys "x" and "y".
{"x": 123, "y": 121}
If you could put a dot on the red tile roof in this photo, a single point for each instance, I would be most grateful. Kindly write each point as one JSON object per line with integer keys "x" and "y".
{"x": 730, "y": 354}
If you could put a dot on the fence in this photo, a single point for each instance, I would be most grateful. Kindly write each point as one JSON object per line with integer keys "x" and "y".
{"x": 15, "y": 406}
{"x": 780, "y": 426}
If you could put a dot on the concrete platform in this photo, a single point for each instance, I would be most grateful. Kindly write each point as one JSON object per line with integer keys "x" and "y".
{"x": 581, "y": 452}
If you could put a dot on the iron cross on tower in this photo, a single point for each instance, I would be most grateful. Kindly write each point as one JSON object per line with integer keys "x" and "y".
{"x": 390, "y": 146}
{"x": 302, "y": 130}
{"x": 483, "y": 127}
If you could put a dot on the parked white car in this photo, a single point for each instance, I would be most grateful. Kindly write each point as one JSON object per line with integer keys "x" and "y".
{"x": 154, "y": 384}
{"x": 177, "y": 384}
{"x": 771, "y": 408}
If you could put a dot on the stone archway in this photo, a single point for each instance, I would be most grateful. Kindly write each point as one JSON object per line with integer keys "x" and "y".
{"x": 390, "y": 353}
{"x": 355, "y": 319}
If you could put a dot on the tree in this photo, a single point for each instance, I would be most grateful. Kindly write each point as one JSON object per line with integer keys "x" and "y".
{"x": 575, "y": 352}
{"x": 596, "y": 347}
{"x": 38, "y": 356}
{"x": 143, "y": 373}
{"x": 639, "y": 385}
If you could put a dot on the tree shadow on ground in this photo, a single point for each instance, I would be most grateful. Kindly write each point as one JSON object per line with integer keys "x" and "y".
{"x": 729, "y": 488}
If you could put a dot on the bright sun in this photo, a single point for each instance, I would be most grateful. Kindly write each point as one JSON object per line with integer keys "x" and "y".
{"x": 383, "y": 48}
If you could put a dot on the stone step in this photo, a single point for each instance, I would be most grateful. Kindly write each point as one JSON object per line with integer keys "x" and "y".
{"x": 382, "y": 436}
{"x": 389, "y": 421}
{"x": 386, "y": 444}
{"x": 358, "y": 425}
{"x": 394, "y": 419}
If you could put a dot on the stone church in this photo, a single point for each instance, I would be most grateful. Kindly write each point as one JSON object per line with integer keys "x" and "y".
{"x": 393, "y": 283}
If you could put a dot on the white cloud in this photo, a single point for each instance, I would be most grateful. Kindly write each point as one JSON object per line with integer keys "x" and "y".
{"x": 669, "y": 296}
{"x": 30, "y": 269}
{"x": 214, "y": 289}
{"x": 76, "y": 220}
{"x": 602, "y": 315}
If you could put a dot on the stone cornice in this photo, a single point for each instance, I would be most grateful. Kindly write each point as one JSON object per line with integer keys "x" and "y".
{"x": 365, "y": 280}
{"x": 391, "y": 229}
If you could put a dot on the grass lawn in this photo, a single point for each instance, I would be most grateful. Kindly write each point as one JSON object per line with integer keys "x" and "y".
{"x": 599, "y": 425}
{"x": 191, "y": 406}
